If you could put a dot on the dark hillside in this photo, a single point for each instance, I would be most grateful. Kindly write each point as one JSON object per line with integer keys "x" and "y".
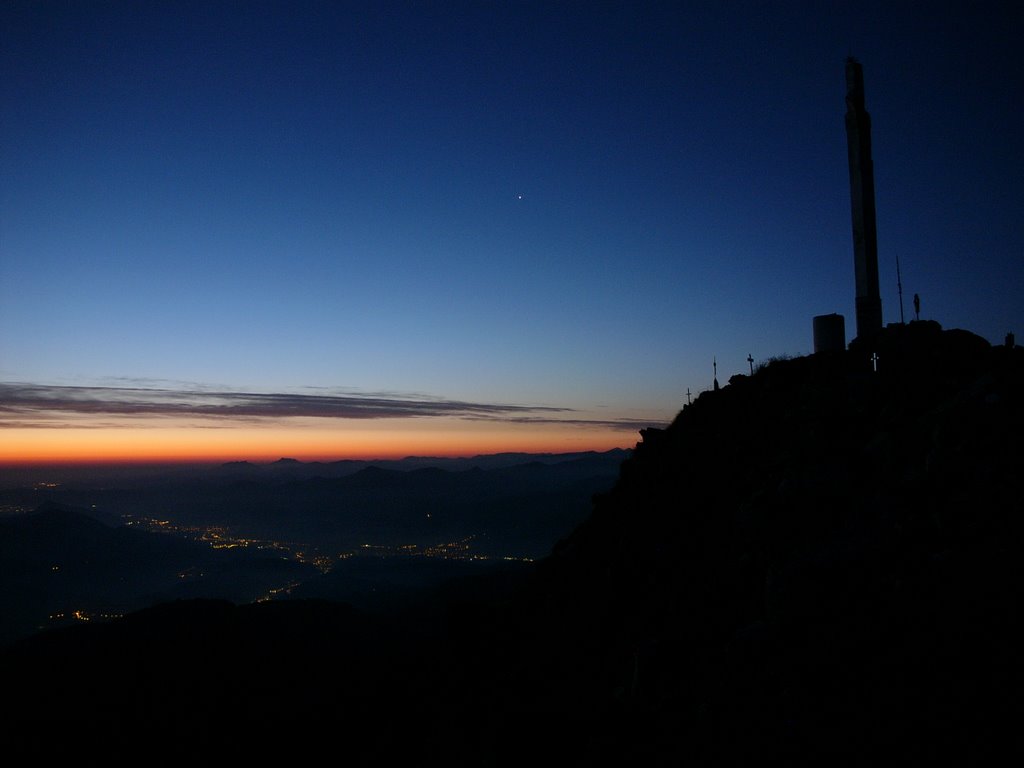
{"x": 819, "y": 559}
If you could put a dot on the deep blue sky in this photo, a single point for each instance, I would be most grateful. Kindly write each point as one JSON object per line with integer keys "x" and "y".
{"x": 572, "y": 205}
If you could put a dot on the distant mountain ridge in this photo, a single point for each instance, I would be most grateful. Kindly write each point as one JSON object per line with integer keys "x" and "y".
{"x": 344, "y": 467}
{"x": 15, "y": 479}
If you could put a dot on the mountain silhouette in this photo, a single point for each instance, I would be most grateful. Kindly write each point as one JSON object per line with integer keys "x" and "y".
{"x": 819, "y": 561}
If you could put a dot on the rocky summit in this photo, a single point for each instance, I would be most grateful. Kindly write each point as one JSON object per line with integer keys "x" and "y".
{"x": 818, "y": 560}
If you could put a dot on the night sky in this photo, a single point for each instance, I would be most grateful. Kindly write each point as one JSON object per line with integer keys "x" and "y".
{"x": 247, "y": 230}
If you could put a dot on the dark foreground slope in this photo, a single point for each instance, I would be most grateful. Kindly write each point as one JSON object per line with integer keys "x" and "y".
{"x": 818, "y": 560}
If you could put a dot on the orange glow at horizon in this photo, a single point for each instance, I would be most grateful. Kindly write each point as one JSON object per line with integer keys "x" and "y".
{"x": 307, "y": 442}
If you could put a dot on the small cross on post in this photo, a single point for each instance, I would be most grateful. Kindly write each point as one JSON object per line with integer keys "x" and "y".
{"x": 750, "y": 359}
{"x": 687, "y": 395}
{"x": 874, "y": 362}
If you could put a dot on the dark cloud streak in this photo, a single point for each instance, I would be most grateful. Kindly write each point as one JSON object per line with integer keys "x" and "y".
{"x": 32, "y": 404}
{"x": 626, "y": 425}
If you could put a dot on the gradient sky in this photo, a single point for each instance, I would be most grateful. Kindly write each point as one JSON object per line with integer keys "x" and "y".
{"x": 247, "y": 230}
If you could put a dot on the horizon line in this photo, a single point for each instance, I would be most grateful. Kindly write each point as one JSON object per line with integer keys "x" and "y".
{"x": 185, "y": 461}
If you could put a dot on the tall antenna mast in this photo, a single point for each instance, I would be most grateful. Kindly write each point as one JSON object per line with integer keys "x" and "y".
{"x": 862, "y": 203}
{"x": 899, "y": 288}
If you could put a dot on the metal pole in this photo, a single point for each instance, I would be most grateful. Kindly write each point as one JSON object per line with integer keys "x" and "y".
{"x": 899, "y": 288}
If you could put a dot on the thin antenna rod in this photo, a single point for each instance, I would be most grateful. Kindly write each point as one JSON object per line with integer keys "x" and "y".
{"x": 899, "y": 288}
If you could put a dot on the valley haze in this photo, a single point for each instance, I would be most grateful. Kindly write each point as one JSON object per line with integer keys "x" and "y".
{"x": 90, "y": 543}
